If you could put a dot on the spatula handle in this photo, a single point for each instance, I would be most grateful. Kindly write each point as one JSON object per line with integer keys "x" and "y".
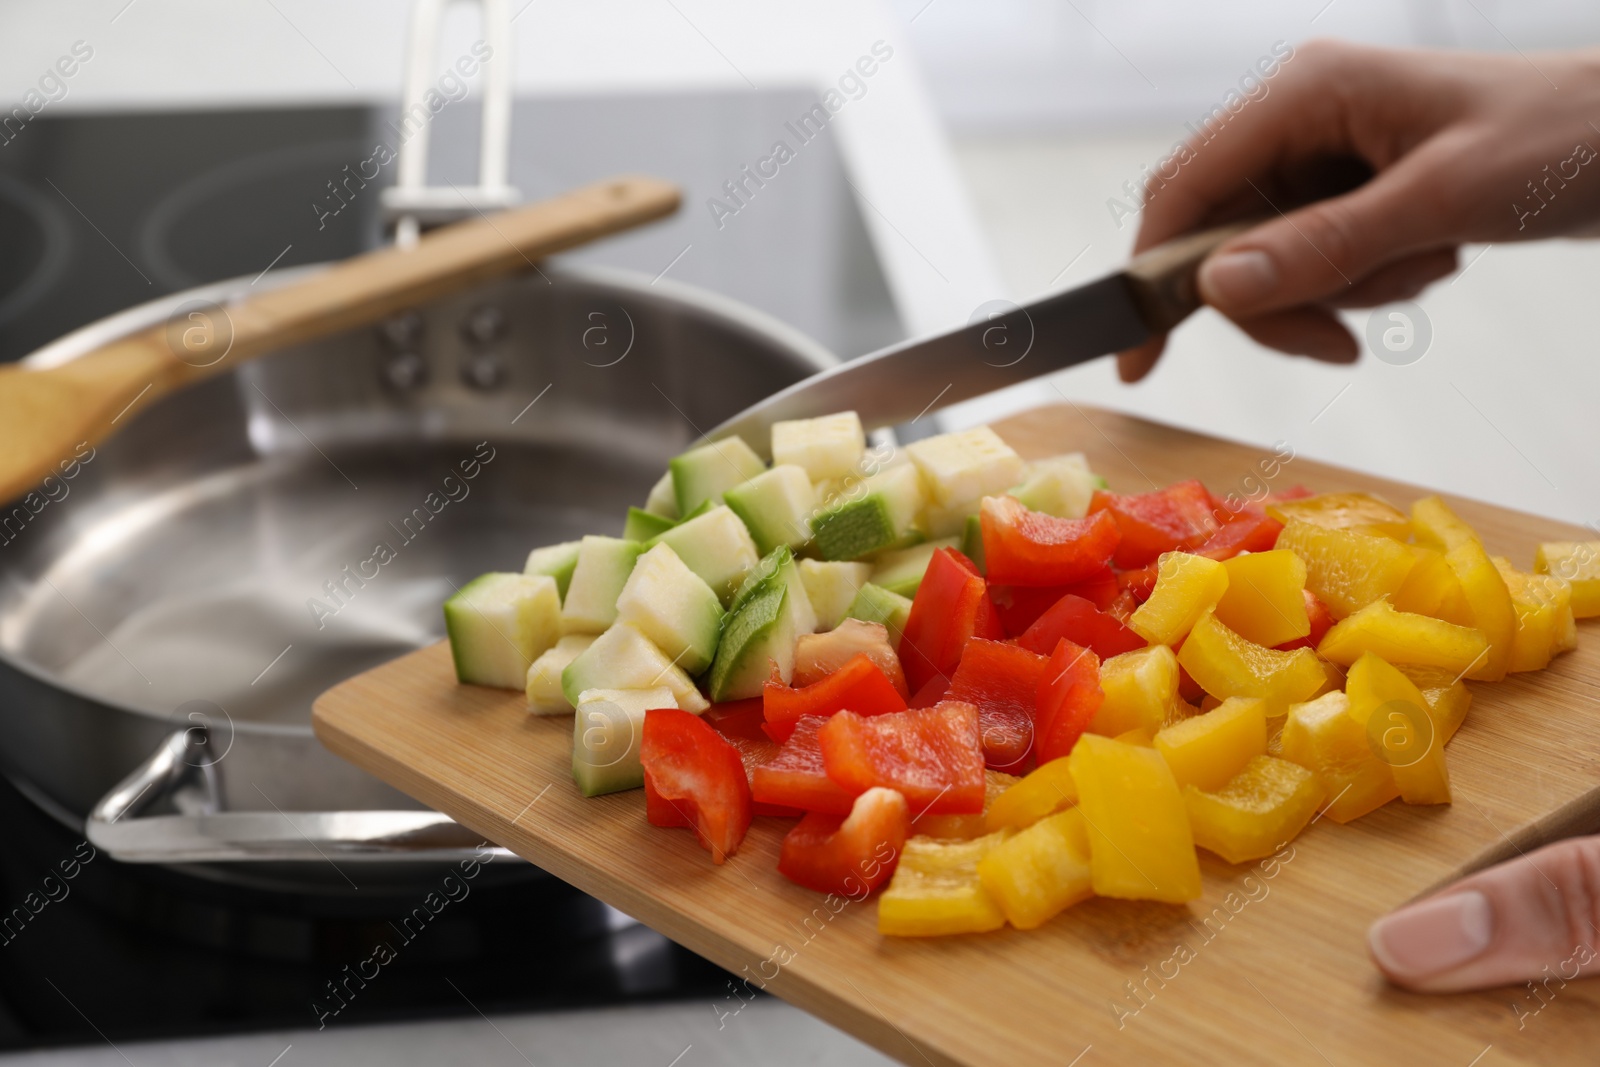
{"x": 44, "y": 413}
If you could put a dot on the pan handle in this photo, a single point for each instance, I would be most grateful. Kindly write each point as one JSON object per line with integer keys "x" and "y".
{"x": 181, "y": 773}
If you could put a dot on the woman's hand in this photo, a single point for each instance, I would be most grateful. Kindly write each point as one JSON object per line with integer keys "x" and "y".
{"x": 1531, "y": 918}
{"x": 1465, "y": 147}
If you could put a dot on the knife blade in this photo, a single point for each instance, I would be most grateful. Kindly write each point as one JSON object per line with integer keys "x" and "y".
{"x": 1003, "y": 344}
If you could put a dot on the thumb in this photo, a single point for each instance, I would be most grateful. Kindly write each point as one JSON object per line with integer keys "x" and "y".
{"x": 1532, "y": 918}
{"x": 1316, "y": 253}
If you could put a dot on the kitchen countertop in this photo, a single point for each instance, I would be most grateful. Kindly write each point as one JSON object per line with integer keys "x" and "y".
{"x": 676, "y": 1035}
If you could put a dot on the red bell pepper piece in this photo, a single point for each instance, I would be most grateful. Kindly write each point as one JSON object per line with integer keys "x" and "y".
{"x": 1139, "y": 582}
{"x": 859, "y": 685}
{"x": 1125, "y": 604}
{"x": 1177, "y": 518}
{"x": 796, "y": 777}
{"x": 1022, "y": 547}
{"x": 693, "y": 777}
{"x": 1069, "y": 696}
{"x": 1322, "y": 621}
{"x": 850, "y": 855}
{"x": 1002, "y": 682}
{"x": 1077, "y": 620}
{"x": 929, "y": 695}
{"x": 931, "y": 756}
{"x": 741, "y": 722}
{"x": 951, "y": 605}
{"x": 1245, "y": 532}
{"x": 1021, "y": 605}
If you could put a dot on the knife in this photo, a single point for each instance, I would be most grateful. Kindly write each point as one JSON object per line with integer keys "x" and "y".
{"x": 1011, "y": 344}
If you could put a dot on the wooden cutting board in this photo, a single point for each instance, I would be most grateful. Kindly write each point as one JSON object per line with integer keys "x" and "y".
{"x": 1269, "y": 968}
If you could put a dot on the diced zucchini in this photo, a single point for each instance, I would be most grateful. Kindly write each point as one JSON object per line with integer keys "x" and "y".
{"x": 831, "y": 587}
{"x": 544, "y": 675}
{"x": 827, "y": 447}
{"x": 673, "y": 607}
{"x": 623, "y": 658}
{"x": 641, "y": 525}
{"x": 1059, "y": 486}
{"x": 876, "y": 604}
{"x": 937, "y": 520}
{"x": 776, "y": 506}
{"x": 901, "y": 571}
{"x": 604, "y": 564}
{"x": 716, "y": 546}
{"x": 703, "y": 473}
{"x": 499, "y": 624}
{"x": 557, "y": 561}
{"x": 606, "y": 734}
{"x": 662, "y": 500}
{"x": 758, "y": 639}
{"x": 972, "y": 542}
{"x": 877, "y": 518}
{"x": 779, "y": 567}
{"x": 965, "y": 466}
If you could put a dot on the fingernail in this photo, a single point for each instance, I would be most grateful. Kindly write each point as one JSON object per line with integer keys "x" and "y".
{"x": 1433, "y": 936}
{"x": 1238, "y": 279}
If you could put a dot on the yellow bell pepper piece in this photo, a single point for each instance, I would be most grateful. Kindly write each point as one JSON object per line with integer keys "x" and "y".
{"x": 1578, "y": 563}
{"x": 1209, "y": 749}
{"x": 1044, "y": 791}
{"x": 1400, "y": 728}
{"x": 1186, "y": 587}
{"x": 1142, "y": 736}
{"x": 1545, "y": 626}
{"x": 1447, "y": 695}
{"x": 1321, "y": 736}
{"x": 1140, "y": 844}
{"x": 966, "y": 827}
{"x": 1432, "y": 588}
{"x": 1257, "y": 812}
{"x": 1038, "y": 873}
{"x": 935, "y": 890}
{"x": 1361, "y": 512}
{"x": 1437, "y": 526}
{"x": 1226, "y": 665}
{"x": 1489, "y": 605}
{"x": 1348, "y": 570}
{"x": 1401, "y": 637}
{"x": 1265, "y": 601}
{"x": 1140, "y": 689}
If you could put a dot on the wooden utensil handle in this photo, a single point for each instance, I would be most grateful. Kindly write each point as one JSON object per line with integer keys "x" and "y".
{"x": 451, "y": 258}
{"x": 45, "y": 412}
{"x": 1164, "y": 279}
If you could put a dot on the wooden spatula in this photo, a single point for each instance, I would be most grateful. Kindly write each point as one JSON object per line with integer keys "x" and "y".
{"x": 44, "y": 414}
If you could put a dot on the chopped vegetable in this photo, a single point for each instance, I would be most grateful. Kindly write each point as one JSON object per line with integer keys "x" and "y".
{"x": 860, "y": 685}
{"x": 499, "y": 624}
{"x": 694, "y": 778}
{"x": 818, "y": 655}
{"x": 1002, "y": 681}
{"x": 850, "y": 855}
{"x": 1022, "y": 547}
{"x": 936, "y": 890}
{"x": 1141, "y": 847}
{"x": 1175, "y": 519}
{"x": 796, "y": 776}
{"x": 951, "y": 605}
{"x": 1076, "y": 619}
{"x": 932, "y": 756}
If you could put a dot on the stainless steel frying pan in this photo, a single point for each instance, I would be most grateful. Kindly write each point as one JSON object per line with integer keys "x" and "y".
{"x": 169, "y": 612}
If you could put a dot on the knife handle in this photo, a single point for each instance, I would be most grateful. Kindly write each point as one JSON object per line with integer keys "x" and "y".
{"x": 1164, "y": 279}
